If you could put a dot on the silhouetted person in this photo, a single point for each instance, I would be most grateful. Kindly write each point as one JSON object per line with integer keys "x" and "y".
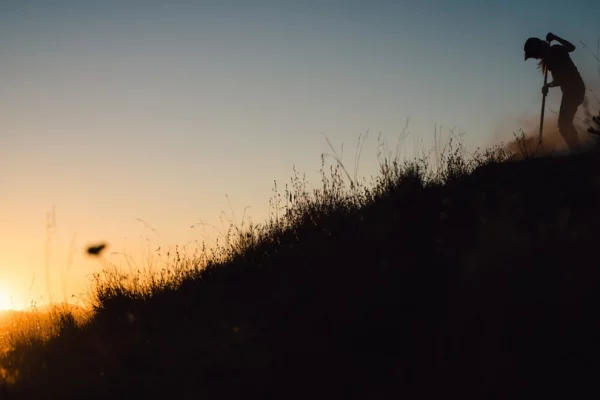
{"x": 556, "y": 59}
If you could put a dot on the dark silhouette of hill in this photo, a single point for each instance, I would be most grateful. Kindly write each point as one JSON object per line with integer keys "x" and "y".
{"x": 480, "y": 284}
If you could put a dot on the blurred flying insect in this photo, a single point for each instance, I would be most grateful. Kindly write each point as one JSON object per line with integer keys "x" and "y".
{"x": 96, "y": 250}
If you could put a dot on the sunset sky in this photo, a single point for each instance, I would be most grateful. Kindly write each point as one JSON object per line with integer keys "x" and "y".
{"x": 115, "y": 111}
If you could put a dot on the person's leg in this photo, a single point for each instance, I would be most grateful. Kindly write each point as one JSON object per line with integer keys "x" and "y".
{"x": 568, "y": 109}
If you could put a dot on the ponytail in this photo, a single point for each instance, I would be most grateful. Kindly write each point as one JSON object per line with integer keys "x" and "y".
{"x": 542, "y": 65}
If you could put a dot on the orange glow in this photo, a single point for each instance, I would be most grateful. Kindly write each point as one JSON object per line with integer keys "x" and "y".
{"x": 6, "y": 300}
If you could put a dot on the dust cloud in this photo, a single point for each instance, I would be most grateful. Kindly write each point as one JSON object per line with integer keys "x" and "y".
{"x": 525, "y": 143}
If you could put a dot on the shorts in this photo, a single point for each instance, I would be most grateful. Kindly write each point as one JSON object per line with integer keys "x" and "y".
{"x": 572, "y": 98}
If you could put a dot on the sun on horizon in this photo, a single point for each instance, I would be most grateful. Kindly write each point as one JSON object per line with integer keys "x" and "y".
{"x": 7, "y": 301}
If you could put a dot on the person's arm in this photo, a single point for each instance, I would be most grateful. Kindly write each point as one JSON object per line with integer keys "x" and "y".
{"x": 548, "y": 85}
{"x": 567, "y": 45}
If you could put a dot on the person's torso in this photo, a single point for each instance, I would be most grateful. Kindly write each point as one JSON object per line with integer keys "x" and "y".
{"x": 563, "y": 69}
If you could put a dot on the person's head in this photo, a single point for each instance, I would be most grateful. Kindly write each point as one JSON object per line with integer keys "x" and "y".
{"x": 535, "y": 48}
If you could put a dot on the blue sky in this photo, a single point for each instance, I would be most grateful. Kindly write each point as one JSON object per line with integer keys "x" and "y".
{"x": 120, "y": 110}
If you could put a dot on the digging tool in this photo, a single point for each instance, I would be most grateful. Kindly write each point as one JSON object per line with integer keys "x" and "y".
{"x": 544, "y": 94}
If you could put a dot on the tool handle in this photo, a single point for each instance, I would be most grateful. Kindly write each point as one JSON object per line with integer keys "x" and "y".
{"x": 543, "y": 105}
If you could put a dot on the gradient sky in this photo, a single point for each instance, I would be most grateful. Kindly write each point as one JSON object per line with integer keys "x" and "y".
{"x": 115, "y": 111}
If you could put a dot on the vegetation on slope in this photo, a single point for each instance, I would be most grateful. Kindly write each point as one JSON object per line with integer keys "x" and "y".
{"x": 478, "y": 279}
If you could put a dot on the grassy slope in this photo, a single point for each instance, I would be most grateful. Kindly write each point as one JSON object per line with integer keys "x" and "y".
{"x": 484, "y": 285}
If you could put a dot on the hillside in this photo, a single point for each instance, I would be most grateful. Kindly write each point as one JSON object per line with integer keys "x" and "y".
{"x": 482, "y": 285}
